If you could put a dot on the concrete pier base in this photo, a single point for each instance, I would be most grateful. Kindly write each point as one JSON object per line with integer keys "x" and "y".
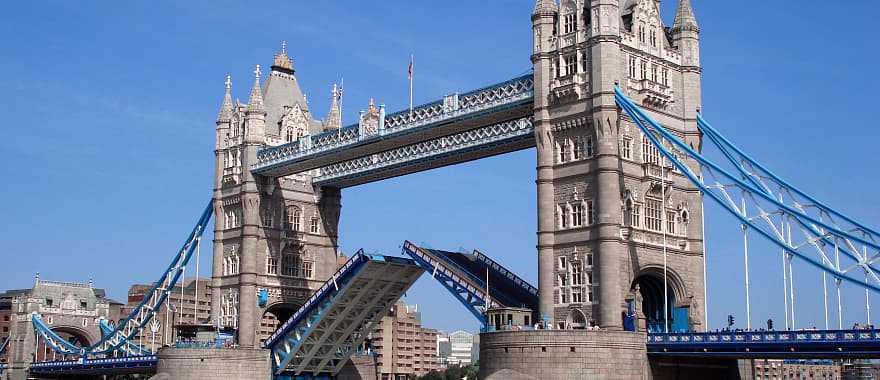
{"x": 563, "y": 354}
{"x": 200, "y": 364}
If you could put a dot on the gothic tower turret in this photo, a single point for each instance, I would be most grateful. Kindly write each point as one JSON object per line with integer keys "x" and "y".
{"x": 686, "y": 37}
{"x": 543, "y": 29}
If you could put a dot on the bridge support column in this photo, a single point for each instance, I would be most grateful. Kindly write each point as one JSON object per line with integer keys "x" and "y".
{"x": 199, "y": 364}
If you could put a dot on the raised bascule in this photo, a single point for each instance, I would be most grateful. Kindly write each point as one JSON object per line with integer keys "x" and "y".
{"x": 612, "y": 108}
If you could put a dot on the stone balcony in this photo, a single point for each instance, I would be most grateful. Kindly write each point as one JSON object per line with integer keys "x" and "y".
{"x": 651, "y": 93}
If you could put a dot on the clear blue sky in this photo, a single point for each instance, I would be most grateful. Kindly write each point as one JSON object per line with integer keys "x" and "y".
{"x": 109, "y": 115}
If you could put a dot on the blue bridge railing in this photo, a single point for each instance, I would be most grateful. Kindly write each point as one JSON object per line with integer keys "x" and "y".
{"x": 804, "y": 343}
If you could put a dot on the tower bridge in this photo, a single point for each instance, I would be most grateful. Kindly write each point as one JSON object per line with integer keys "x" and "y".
{"x": 612, "y": 110}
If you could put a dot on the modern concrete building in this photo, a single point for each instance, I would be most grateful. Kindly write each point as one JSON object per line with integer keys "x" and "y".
{"x": 272, "y": 235}
{"x": 461, "y": 351}
{"x": 403, "y": 348}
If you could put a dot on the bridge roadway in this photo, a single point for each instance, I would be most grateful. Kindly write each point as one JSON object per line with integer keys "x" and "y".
{"x": 461, "y": 127}
{"x": 804, "y": 344}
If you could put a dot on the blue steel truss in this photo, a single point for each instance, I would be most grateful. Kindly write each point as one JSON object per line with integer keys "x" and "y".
{"x": 124, "y": 365}
{"x": 472, "y": 294}
{"x": 762, "y": 211}
{"x": 320, "y": 337}
{"x": 768, "y": 344}
{"x": 118, "y": 340}
{"x": 476, "y": 143}
{"x": 129, "y": 348}
{"x": 516, "y": 93}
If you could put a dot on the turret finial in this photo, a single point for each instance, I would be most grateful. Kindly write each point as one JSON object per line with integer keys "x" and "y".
{"x": 228, "y": 83}
{"x": 684, "y": 18}
{"x": 257, "y": 72}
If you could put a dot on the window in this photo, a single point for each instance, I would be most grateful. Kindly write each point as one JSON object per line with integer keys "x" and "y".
{"x": 569, "y": 23}
{"x": 49, "y": 302}
{"x": 635, "y": 217}
{"x": 632, "y": 67}
{"x": 589, "y": 259}
{"x": 654, "y": 72}
{"x": 563, "y": 261}
{"x": 313, "y": 225}
{"x": 266, "y": 216}
{"x": 294, "y": 216}
{"x": 570, "y": 64}
{"x": 644, "y": 67}
{"x": 563, "y": 296}
{"x": 590, "y": 215}
{"x": 563, "y": 150}
{"x": 590, "y": 295}
{"x": 289, "y": 265}
{"x": 577, "y": 295}
{"x": 653, "y": 37}
{"x": 626, "y": 148}
{"x": 271, "y": 265}
{"x": 589, "y": 146}
{"x": 578, "y": 149}
{"x": 289, "y": 135}
{"x": 589, "y": 277}
{"x": 653, "y": 214}
{"x": 650, "y": 153}
{"x": 307, "y": 269}
{"x": 83, "y": 304}
{"x": 642, "y": 33}
{"x": 577, "y": 215}
{"x": 563, "y": 213}
{"x": 670, "y": 222}
{"x": 664, "y": 76}
{"x": 577, "y": 274}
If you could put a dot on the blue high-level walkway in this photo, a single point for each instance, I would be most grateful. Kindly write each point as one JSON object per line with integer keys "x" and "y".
{"x": 458, "y": 128}
{"x": 321, "y": 336}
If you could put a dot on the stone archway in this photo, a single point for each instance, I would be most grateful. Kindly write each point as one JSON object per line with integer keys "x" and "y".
{"x": 651, "y": 311}
{"x": 576, "y": 320}
{"x": 74, "y": 335}
{"x": 274, "y": 315}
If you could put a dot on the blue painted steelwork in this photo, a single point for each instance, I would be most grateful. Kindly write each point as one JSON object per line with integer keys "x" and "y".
{"x": 4, "y": 345}
{"x": 326, "y": 330}
{"x": 128, "y": 364}
{"x": 476, "y": 143}
{"x": 135, "y": 322}
{"x": 755, "y": 196}
{"x": 767, "y": 344}
{"x": 472, "y": 296}
{"x": 511, "y": 94}
{"x": 129, "y": 348}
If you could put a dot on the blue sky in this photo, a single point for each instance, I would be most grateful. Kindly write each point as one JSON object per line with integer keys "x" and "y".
{"x": 109, "y": 115}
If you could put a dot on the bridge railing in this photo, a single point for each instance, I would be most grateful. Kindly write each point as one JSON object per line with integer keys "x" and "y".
{"x": 454, "y": 106}
{"x": 765, "y": 337}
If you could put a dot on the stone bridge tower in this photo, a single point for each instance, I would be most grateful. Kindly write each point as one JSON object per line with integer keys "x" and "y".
{"x": 273, "y": 237}
{"x": 609, "y": 206}
{"x": 71, "y": 309}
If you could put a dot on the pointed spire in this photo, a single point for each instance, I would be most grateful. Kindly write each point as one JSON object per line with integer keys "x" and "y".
{"x": 544, "y": 7}
{"x": 334, "y": 116}
{"x": 684, "y": 18}
{"x": 226, "y": 107}
{"x": 255, "y": 102}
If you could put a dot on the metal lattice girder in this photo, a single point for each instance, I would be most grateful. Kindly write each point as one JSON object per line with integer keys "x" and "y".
{"x": 321, "y": 336}
{"x": 4, "y": 345}
{"x": 129, "y": 348}
{"x": 767, "y": 344}
{"x": 124, "y": 365}
{"x": 471, "y": 292}
{"x": 454, "y": 114}
{"x": 814, "y": 240}
{"x": 477, "y": 143}
{"x": 118, "y": 340}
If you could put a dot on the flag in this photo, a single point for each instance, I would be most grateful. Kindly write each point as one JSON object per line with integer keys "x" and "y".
{"x": 341, "y": 88}
{"x": 410, "y": 69}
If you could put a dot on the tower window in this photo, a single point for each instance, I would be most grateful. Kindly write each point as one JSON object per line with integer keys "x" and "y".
{"x": 577, "y": 274}
{"x": 569, "y": 23}
{"x": 653, "y": 215}
{"x": 642, "y": 33}
{"x": 563, "y": 150}
{"x": 271, "y": 265}
{"x": 578, "y": 148}
{"x": 664, "y": 77}
{"x": 591, "y": 219}
{"x": 589, "y": 146}
{"x": 650, "y": 153}
{"x": 653, "y": 72}
{"x": 670, "y": 222}
{"x": 577, "y": 215}
{"x": 294, "y": 217}
{"x": 313, "y": 225}
{"x": 563, "y": 262}
{"x": 570, "y": 64}
{"x": 626, "y": 148}
{"x": 635, "y": 215}
{"x": 632, "y": 67}
{"x": 653, "y": 37}
{"x": 644, "y": 71}
{"x": 564, "y": 216}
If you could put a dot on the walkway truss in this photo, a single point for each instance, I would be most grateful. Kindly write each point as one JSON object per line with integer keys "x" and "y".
{"x": 465, "y": 275}
{"x": 321, "y": 336}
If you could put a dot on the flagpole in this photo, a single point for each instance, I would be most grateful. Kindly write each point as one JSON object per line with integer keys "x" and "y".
{"x": 411, "y": 64}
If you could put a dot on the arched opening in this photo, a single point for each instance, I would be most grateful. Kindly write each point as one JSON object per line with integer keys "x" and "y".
{"x": 72, "y": 335}
{"x": 273, "y": 317}
{"x": 650, "y": 306}
{"x": 576, "y": 320}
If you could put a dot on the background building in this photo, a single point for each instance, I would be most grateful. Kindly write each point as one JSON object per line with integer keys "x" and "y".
{"x": 461, "y": 349}
{"x": 403, "y": 348}
{"x": 180, "y": 308}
